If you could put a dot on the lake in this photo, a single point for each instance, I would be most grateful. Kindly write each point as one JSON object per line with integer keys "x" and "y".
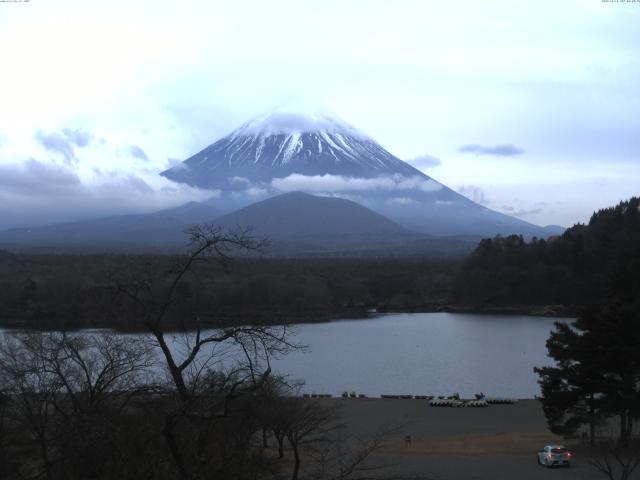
{"x": 419, "y": 354}
{"x": 422, "y": 353}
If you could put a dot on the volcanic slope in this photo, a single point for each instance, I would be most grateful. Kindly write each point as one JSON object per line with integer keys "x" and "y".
{"x": 287, "y": 151}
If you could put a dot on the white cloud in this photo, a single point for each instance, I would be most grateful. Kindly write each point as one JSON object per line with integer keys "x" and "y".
{"x": 177, "y": 165}
{"x": 333, "y": 183}
{"x": 63, "y": 184}
{"x": 474, "y": 193}
{"x": 244, "y": 187}
{"x": 424, "y": 161}
{"x": 401, "y": 201}
{"x": 36, "y": 192}
{"x": 289, "y": 120}
{"x": 240, "y": 182}
{"x": 35, "y": 177}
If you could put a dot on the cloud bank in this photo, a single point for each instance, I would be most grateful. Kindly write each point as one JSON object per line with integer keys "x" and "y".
{"x": 75, "y": 174}
{"x": 35, "y": 193}
{"x": 35, "y": 177}
{"x": 336, "y": 183}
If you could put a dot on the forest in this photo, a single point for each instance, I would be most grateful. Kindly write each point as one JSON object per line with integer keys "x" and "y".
{"x": 587, "y": 265}
{"x": 73, "y": 291}
{"x": 553, "y": 276}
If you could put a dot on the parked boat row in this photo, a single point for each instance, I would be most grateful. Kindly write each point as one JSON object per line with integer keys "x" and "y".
{"x": 452, "y": 401}
{"x": 408, "y": 397}
{"x": 458, "y": 403}
{"x": 501, "y": 400}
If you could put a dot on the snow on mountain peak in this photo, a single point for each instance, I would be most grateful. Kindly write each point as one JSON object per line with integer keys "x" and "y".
{"x": 285, "y": 142}
{"x": 290, "y": 121}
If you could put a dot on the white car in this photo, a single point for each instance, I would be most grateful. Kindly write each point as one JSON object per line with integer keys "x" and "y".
{"x": 555, "y": 456}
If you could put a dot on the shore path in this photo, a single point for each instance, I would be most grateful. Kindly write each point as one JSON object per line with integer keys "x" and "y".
{"x": 494, "y": 443}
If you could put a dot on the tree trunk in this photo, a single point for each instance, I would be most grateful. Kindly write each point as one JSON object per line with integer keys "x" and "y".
{"x": 280, "y": 447}
{"x": 624, "y": 433}
{"x": 296, "y": 464}
{"x": 45, "y": 458}
{"x": 175, "y": 372}
{"x": 265, "y": 444}
{"x": 173, "y": 447}
{"x": 592, "y": 422}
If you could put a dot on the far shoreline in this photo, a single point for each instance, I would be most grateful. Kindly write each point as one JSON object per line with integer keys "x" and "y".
{"x": 288, "y": 319}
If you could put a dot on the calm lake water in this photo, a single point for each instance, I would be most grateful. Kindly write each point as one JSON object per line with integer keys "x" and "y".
{"x": 419, "y": 354}
{"x": 422, "y": 353}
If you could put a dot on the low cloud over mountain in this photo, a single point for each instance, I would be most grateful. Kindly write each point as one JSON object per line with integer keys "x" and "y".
{"x": 475, "y": 193}
{"x": 424, "y": 161}
{"x": 339, "y": 183}
{"x": 76, "y": 174}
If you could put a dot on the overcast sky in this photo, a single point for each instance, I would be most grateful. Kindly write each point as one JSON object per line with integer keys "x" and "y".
{"x": 531, "y": 108}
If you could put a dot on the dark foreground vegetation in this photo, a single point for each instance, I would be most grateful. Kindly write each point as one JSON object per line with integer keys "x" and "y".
{"x": 594, "y": 388}
{"x": 90, "y": 406}
{"x": 593, "y": 391}
{"x": 109, "y": 407}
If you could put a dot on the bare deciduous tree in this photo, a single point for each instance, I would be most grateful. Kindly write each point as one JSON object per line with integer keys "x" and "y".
{"x": 67, "y": 392}
{"x": 309, "y": 422}
{"x": 33, "y": 393}
{"x": 615, "y": 460}
{"x": 211, "y": 370}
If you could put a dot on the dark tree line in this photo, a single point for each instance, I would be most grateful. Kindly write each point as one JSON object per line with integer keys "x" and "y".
{"x": 596, "y": 380}
{"x": 585, "y": 266}
{"x": 597, "y": 375}
{"x": 75, "y": 291}
{"x": 596, "y": 384}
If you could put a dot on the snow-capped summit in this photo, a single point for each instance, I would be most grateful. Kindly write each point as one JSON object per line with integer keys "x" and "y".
{"x": 286, "y": 142}
{"x": 291, "y": 121}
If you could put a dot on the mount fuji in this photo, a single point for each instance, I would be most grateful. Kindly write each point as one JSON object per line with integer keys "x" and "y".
{"x": 286, "y": 150}
{"x": 313, "y": 184}
{"x": 285, "y": 143}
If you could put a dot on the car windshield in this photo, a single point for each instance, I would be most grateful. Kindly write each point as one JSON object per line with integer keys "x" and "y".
{"x": 558, "y": 450}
